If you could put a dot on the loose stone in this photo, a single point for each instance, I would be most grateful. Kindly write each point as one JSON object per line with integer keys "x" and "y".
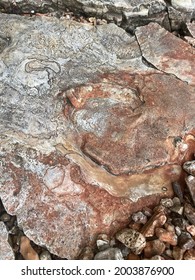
{"x": 6, "y": 252}
{"x": 166, "y": 236}
{"x": 189, "y": 167}
{"x": 191, "y": 229}
{"x": 189, "y": 212}
{"x": 185, "y": 241}
{"x": 45, "y": 255}
{"x": 154, "y": 247}
{"x": 139, "y": 217}
{"x": 133, "y": 239}
{"x": 190, "y": 181}
{"x": 109, "y": 254}
{"x": 102, "y": 242}
{"x": 189, "y": 255}
{"x": 5, "y": 217}
{"x": 166, "y": 202}
{"x": 157, "y": 220}
{"x": 178, "y": 253}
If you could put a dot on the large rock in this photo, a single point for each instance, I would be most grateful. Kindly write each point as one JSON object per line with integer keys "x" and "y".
{"x": 129, "y": 14}
{"x": 89, "y": 133}
{"x": 6, "y": 252}
{"x": 184, "y": 5}
{"x": 169, "y": 53}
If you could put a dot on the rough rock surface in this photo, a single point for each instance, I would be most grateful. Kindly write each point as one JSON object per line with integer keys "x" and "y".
{"x": 74, "y": 96}
{"x": 6, "y": 252}
{"x": 169, "y": 53}
{"x": 172, "y": 15}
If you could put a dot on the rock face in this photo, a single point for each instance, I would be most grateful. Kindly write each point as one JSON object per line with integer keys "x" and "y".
{"x": 6, "y": 252}
{"x": 169, "y": 53}
{"x": 172, "y": 15}
{"x": 89, "y": 133}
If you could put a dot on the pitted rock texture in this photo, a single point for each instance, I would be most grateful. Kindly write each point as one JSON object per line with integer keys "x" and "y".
{"x": 6, "y": 252}
{"x": 89, "y": 133}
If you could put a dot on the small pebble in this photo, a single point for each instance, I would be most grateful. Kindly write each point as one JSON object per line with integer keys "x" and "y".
{"x": 147, "y": 211}
{"x": 178, "y": 191}
{"x": 185, "y": 241}
{"x": 189, "y": 167}
{"x": 132, "y": 239}
{"x": 178, "y": 253}
{"x": 177, "y": 230}
{"x": 189, "y": 255}
{"x": 166, "y": 236}
{"x": 177, "y": 209}
{"x": 45, "y": 255}
{"x": 190, "y": 181}
{"x": 109, "y": 254}
{"x": 102, "y": 242}
{"x": 139, "y": 217}
{"x": 166, "y": 202}
{"x": 5, "y": 217}
{"x": 169, "y": 253}
{"x": 176, "y": 201}
{"x": 154, "y": 247}
{"x": 191, "y": 229}
{"x": 189, "y": 212}
{"x": 179, "y": 222}
{"x": 158, "y": 219}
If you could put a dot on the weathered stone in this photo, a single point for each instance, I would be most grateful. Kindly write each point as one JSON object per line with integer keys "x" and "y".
{"x": 189, "y": 255}
{"x": 178, "y": 230}
{"x": 154, "y": 247}
{"x": 157, "y": 258}
{"x": 185, "y": 5}
{"x": 74, "y": 96}
{"x": 190, "y": 181}
{"x": 166, "y": 236}
{"x": 109, "y": 254}
{"x": 132, "y": 239}
{"x": 190, "y": 40}
{"x": 189, "y": 212}
{"x": 191, "y": 229}
{"x": 6, "y": 252}
{"x": 179, "y": 222}
{"x": 166, "y": 202}
{"x": 169, "y": 253}
{"x": 169, "y": 54}
{"x": 177, "y": 209}
{"x": 5, "y": 217}
{"x": 45, "y": 255}
{"x": 177, "y": 18}
{"x": 102, "y": 242}
{"x": 191, "y": 28}
{"x": 177, "y": 189}
{"x": 185, "y": 241}
{"x": 27, "y": 250}
{"x": 129, "y": 13}
{"x": 157, "y": 220}
{"x": 178, "y": 253}
{"x": 139, "y": 217}
{"x": 189, "y": 167}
